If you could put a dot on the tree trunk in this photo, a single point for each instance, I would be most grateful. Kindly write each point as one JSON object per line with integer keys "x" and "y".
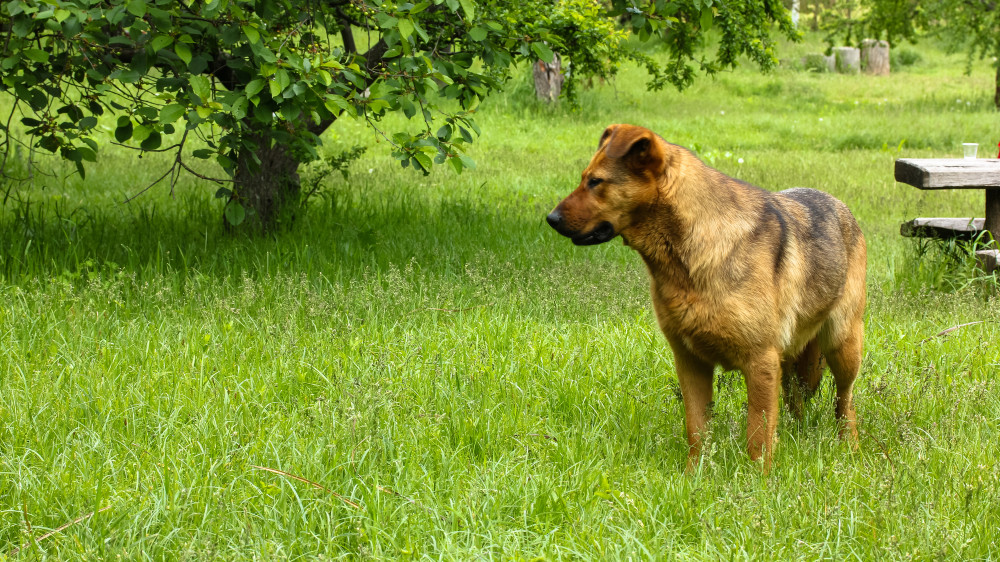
{"x": 795, "y": 13}
{"x": 875, "y": 57}
{"x": 269, "y": 191}
{"x": 548, "y": 79}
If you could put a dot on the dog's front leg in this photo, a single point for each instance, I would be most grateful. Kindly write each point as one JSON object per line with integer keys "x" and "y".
{"x": 695, "y": 378}
{"x": 763, "y": 378}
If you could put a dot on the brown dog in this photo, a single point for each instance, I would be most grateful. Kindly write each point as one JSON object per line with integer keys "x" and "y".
{"x": 740, "y": 277}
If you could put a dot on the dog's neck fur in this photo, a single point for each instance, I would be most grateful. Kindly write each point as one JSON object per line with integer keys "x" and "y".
{"x": 678, "y": 219}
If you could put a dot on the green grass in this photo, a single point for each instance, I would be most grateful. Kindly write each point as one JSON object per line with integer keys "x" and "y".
{"x": 456, "y": 381}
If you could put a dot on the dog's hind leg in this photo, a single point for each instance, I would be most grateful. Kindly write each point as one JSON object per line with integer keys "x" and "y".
{"x": 801, "y": 376}
{"x": 842, "y": 340}
{"x": 845, "y": 362}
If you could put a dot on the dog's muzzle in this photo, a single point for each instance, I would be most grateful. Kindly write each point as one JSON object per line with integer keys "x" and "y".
{"x": 602, "y": 233}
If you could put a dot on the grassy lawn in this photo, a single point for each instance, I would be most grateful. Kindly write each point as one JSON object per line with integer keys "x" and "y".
{"x": 422, "y": 368}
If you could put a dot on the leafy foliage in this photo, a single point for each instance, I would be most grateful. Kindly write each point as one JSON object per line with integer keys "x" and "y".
{"x": 245, "y": 75}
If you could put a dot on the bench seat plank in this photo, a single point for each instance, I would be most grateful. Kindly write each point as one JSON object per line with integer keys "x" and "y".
{"x": 938, "y": 227}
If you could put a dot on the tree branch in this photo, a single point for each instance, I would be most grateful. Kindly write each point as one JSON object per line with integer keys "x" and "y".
{"x": 373, "y": 58}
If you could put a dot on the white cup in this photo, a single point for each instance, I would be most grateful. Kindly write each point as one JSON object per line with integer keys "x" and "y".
{"x": 970, "y": 150}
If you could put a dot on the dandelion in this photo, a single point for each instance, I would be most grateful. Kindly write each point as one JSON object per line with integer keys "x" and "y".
{"x": 820, "y": 118}
{"x": 728, "y": 154}
{"x": 722, "y": 112}
{"x": 370, "y": 170}
{"x": 740, "y": 161}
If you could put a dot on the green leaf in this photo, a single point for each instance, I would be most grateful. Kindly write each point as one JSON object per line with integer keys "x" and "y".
{"x": 252, "y": 34}
{"x": 283, "y": 79}
{"x": 424, "y": 160}
{"x": 274, "y": 87}
{"x": 142, "y": 132}
{"x": 467, "y": 162}
{"x": 50, "y": 143}
{"x": 477, "y": 33}
{"x": 254, "y": 87}
{"x": 152, "y": 142}
{"x": 203, "y": 153}
{"x": 405, "y": 27}
{"x": 223, "y": 192}
{"x": 128, "y": 75}
{"x": 420, "y": 7}
{"x": 336, "y": 103}
{"x": 88, "y": 122}
{"x": 290, "y": 111}
{"x": 707, "y": 17}
{"x": 456, "y": 163}
{"x": 36, "y": 55}
{"x": 183, "y": 52}
{"x": 239, "y": 108}
{"x": 201, "y": 86}
{"x": 226, "y": 162}
{"x": 136, "y": 7}
{"x": 161, "y": 42}
{"x": 444, "y": 133}
{"x": 542, "y": 51}
{"x": 469, "y": 7}
{"x": 70, "y": 153}
{"x": 124, "y": 131}
{"x": 409, "y": 110}
{"x": 85, "y": 153}
{"x": 235, "y": 213}
{"x": 171, "y": 113}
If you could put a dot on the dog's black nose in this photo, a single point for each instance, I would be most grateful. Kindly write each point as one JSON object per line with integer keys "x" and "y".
{"x": 554, "y": 219}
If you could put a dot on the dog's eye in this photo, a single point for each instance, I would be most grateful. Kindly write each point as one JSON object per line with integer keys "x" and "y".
{"x": 594, "y": 182}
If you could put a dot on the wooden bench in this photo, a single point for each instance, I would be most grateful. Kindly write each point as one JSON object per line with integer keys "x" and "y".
{"x": 953, "y": 173}
{"x": 965, "y": 229}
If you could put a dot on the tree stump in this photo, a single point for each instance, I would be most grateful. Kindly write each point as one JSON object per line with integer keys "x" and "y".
{"x": 875, "y": 57}
{"x": 818, "y": 62}
{"x": 848, "y": 59}
{"x": 548, "y": 79}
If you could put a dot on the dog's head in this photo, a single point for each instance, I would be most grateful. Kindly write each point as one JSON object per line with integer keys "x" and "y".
{"x": 622, "y": 178}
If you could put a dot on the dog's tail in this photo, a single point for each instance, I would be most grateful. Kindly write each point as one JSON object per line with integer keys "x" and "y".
{"x": 800, "y": 377}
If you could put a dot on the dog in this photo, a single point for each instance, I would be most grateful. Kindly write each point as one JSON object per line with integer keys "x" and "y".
{"x": 767, "y": 283}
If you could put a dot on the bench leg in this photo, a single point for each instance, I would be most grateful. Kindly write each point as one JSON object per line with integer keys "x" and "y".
{"x": 992, "y": 223}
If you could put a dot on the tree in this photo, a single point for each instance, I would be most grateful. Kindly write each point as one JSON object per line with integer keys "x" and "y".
{"x": 969, "y": 25}
{"x": 259, "y": 80}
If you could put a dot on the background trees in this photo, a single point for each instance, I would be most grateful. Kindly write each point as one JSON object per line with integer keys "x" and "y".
{"x": 258, "y": 81}
{"x": 972, "y": 26}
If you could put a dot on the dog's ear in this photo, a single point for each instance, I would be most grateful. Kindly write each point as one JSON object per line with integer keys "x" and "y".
{"x": 606, "y": 135}
{"x": 636, "y": 146}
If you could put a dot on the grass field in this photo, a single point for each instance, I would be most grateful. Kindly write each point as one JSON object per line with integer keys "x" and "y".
{"x": 422, "y": 368}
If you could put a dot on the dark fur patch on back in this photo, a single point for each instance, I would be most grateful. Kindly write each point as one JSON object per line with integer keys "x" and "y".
{"x": 823, "y": 216}
{"x": 779, "y": 256}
